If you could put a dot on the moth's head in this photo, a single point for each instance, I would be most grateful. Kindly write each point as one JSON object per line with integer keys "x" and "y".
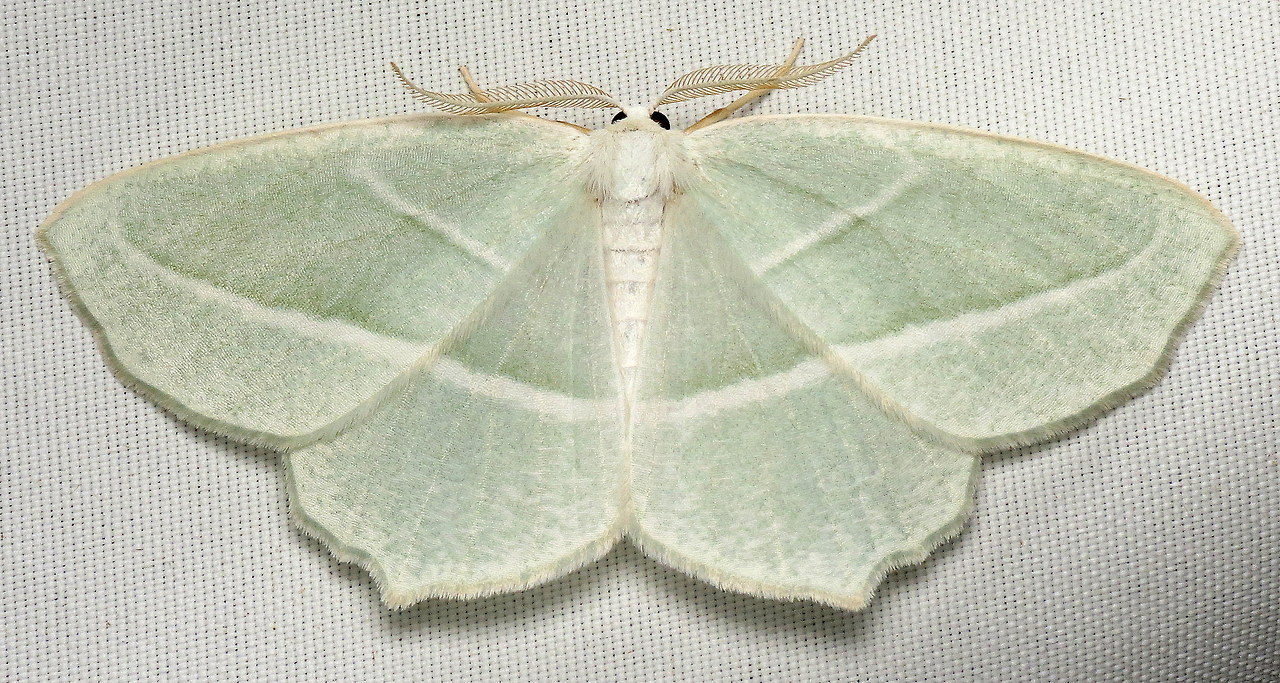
{"x": 639, "y": 118}
{"x": 757, "y": 80}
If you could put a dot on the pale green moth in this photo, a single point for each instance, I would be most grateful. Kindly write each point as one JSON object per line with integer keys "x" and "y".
{"x": 767, "y": 350}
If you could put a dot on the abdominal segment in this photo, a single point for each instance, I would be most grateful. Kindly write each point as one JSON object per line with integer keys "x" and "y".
{"x": 632, "y": 244}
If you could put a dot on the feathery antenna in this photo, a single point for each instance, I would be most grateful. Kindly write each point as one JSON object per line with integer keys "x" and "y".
{"x": 546, "y": 93}
{"x": 758, "y": 79}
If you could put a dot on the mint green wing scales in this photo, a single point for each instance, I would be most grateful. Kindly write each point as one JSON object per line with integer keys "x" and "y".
{"x": 415, "y": 306}
{"x": 998, "y": 291}
{"x": 758, "y": 464}
{"x": 498, "y": 465}
{"x": 270, "y": 288}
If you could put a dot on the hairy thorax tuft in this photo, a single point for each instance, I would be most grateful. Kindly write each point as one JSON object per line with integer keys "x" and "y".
{"x": 635, "y": 159}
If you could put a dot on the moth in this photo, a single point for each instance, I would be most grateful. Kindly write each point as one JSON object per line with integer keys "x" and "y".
{"x": 767, "y": 350}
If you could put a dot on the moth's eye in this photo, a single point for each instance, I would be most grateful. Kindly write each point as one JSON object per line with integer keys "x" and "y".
{"x": 660, "y": 119}
{"x": 619, "y": 116}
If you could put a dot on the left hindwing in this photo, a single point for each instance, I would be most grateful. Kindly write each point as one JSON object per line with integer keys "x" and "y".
{"x": 757, "y": 464}
{"x": 999, "y": 290}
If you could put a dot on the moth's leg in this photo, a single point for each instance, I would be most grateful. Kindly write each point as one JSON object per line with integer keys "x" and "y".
{"x": 727, "y": 111}
{"x": 471, "y": 84}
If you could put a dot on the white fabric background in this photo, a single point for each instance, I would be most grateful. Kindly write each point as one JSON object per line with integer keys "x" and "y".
{"x": 133, "y": 547}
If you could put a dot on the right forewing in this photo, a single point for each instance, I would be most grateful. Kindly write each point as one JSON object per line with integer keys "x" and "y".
{"x": 270, "y": 288}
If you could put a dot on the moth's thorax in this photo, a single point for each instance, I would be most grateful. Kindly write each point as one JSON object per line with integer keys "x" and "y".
{"x": 631, "y": 161}
{"x": 635, "y": 168}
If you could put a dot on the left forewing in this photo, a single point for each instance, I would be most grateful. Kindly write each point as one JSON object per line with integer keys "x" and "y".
{"x": 999, "y": 290}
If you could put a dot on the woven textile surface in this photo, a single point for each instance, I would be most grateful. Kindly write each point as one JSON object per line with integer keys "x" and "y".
{"x": 1145, "y": 547}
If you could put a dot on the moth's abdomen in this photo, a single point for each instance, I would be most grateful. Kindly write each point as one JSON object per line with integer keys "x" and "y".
{"x": 634, "y": 176}
{"x": 632, "y": 245}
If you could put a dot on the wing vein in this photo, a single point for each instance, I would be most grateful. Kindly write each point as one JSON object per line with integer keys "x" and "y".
{"x": 429, "y": 220}
{"x": 328, "y": 329}
{"x": 838, "y": 223}
{"x": 923, "y": 335}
